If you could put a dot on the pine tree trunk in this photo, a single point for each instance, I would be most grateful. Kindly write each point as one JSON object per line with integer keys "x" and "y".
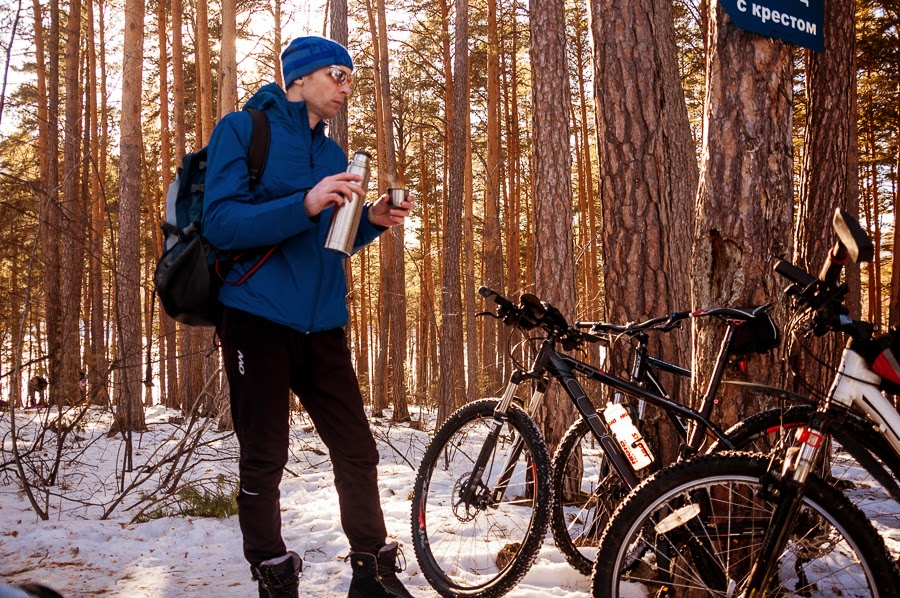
{"x": 50, "y": 237}
{"x": 176, "y": 369}
{"x": 277, "y": 42}
{"x": 468, "y": 298}
{"x": 875, "y": 235}
{"x": 493, "y": 253}
{"x": 512, "y": 284}
{"x": 73, "y": 219}
{"x": 743, "y": 202}
{"x": 396, "y": 272}
{"x": 95, "y": 359}
{"x": 42, "y": 193}
{"x": 168, "y": 371}
{"x": 337, "y": 18}
{"x": 204, "y": 76}
{"x": 592, "y": 236}
{"x": 129, "y": 412}
{"x": 228, "y": 59}
{"x": 648, "y": 180}
{"x": 452, "y": 386}
{"x": 894, "y": 309}
{"x": 553, "y": 259}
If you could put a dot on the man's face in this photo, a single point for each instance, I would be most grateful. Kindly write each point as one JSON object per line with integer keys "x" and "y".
{"x": 326, "y": 90}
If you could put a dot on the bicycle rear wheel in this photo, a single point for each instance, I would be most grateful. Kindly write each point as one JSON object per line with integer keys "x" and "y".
{"x": 694, "y": 529}
{"x": 483, "y": 546}
{"x": 586, "y": 491}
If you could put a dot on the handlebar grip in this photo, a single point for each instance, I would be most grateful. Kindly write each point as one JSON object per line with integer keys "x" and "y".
{"x": 834, "y": 262}
{"x": 794, "y": 274}
{"x": 496, "y": 297}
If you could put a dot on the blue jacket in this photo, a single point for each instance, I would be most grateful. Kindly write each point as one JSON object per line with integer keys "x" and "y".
{"x": 301, "y": 285}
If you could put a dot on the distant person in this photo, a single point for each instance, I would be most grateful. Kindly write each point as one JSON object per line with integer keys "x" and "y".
{"x": 82, "y": 386}
{"x": 38, "y": 385}
{"x": 282, "y": 328}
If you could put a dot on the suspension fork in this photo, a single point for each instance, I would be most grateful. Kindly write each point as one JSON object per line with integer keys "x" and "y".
{"x": 496, "y": 426}
{"x": 788, "y": 493}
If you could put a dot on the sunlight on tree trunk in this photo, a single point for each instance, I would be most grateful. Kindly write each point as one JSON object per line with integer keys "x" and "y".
{"x": 746, "y": 162}
{"x": 553, "y": 259}
{"x": 129, "y": 412}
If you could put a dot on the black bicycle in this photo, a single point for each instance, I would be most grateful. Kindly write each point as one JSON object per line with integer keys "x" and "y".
{"x": 732, "y": 524}
{"x": 483, "y": 494}
{"x": 586, "y": 490}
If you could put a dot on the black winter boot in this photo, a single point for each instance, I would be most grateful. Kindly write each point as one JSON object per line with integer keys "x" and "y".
{"x": 375, "y": 576}
{"x": 279, "y": 577}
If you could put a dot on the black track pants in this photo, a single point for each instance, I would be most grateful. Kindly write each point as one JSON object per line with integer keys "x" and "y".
{"x": 263, "y": 361}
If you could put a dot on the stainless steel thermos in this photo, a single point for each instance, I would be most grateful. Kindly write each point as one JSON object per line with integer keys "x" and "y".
{"x": 345, "y": 220}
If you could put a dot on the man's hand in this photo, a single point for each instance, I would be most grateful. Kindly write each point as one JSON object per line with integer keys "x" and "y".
{"x": 334, "y": 189}
{"x": 382, "y": 213}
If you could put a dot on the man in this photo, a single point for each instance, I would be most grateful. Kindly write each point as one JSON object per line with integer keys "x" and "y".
{"x": 282, "y": 329}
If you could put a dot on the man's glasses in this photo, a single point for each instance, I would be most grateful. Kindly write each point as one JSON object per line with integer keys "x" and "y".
{"x": 340, "y": 77}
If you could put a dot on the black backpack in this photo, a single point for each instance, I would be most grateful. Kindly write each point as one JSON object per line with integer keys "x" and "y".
{"x": 190, "y": 271}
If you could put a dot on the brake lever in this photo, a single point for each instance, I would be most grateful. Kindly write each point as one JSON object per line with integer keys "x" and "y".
{"x": 487, "y": 313}
{"x": 671, "y": 326}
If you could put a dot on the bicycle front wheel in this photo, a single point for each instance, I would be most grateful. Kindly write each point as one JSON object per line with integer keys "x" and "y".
{"x": 695, "y": 528}
{"x": 477, "y": 535}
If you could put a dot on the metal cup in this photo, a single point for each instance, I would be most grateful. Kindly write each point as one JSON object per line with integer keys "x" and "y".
{"x": 396, "y": 196}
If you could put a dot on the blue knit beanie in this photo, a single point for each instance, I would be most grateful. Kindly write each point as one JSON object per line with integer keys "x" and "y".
{"x": 305, "y": 55}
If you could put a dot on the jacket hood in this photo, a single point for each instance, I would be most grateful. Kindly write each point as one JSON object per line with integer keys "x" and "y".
{"x": 267, "y": 96}
{"x": 272, "y": 99}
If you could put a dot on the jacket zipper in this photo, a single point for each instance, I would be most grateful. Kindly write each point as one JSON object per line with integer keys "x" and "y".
{"x": 315, "y": 299}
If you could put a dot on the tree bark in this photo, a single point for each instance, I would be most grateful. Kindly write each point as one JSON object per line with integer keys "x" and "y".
{"x": 337, "y": 20}
{"x": 828, "y": 176}
{"x": 96, "y": 358}
{"x": 166, "y": 324}
{"x": 452, "y": 388}
{"x": 129, "y": 413}
{"x": 74, "y": 218}
{"x": 468, "y": 258}
{"x": 228, "y": 59}
{"x": 743, "y": 202}
{"x": 50, "y": 229}
{"x": 493, "y": 253}
{"x": 204, "y": 77}
{"x": 396, "y": 294}
{"x": 553, "y": 259}
{"x": 648, "y": 179}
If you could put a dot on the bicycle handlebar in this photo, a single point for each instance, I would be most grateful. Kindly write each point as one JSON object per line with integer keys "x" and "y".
{"x": 823, "y": 295}
{"x": 532, "y": 313}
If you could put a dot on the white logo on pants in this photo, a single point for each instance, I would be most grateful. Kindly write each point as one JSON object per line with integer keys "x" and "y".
{"x": 241, "y": 363}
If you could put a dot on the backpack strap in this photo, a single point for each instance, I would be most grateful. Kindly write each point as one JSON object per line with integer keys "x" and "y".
{"x": 257, "y": 156}
{"x": 259, "y": 145}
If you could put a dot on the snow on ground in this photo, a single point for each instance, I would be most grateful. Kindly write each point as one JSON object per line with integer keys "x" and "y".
{"x": 78, "y": 554}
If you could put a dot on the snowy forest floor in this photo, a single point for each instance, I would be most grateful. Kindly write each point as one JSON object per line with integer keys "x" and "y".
{"x": 79, "y": 553}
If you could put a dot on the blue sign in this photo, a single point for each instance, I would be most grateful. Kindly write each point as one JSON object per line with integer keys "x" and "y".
{"x": 798, "y": 22}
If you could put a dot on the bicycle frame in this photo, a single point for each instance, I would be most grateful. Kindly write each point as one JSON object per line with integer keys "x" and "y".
{"x": 562, "y": 368}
